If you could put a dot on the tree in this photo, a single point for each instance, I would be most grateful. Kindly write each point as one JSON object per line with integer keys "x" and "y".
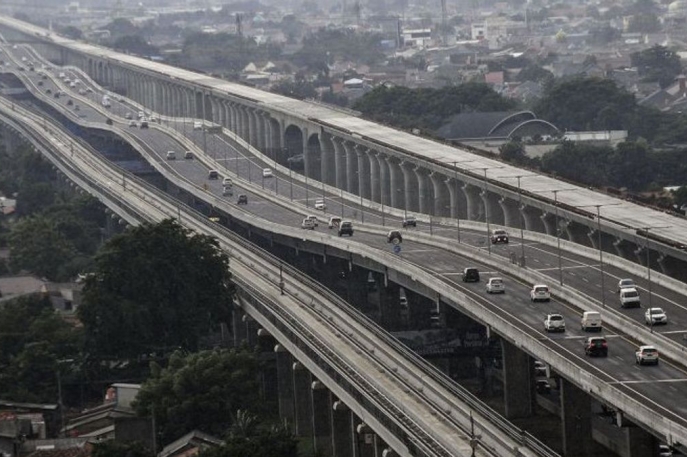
{"x": 581, "y": 163}
{"x": 536, "y": 73}
{"x": 644, "y": 23}
{"x": 155, "y": 287}
{"x": 248, "y": 437}
{"x": 36, "y": 245}
{"x": 200, "y": 391}
{"x": 120, "y": 449}
{"x": 513, "y": 151}
{"x": 72, "y": 32}
{"x": 135, "y": 44}
{"x": 680, "y": 196}
{"x": 657, "y": 63}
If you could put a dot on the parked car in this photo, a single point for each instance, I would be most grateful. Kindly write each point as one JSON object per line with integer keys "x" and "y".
{"x": 470, "y": 274}
{"x": 629, "y": 298}
{"x": 319, "y": 204}
{"x": 267, "y": 173}
{"x": 540, "y": 292}
{"x": 499, "y": 236}
{"x": 409, "y": 221}
{"x": 655, "y": 316}
{"x": 243, "y": 200}
{"x": 554, "y": 323}
{"x": 394, "y": 237}
{"x": 346, "y": 228}
{"x": 495, "y": 286}
{"x": 626, "y": 284}
{"x": 646, "y": 355}
{"x": 596, "y": 346}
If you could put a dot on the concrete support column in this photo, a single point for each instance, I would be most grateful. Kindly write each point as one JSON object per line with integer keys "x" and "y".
{"x": 517, "y": 382}
{"x": 442, "y": 199}
{"x": 322, "y": 425}
{"x": 252, "y": 128}
{"x": 576, "y": 420}
{"x": 365, "y": 441}
{"x": 351, "y": 168}
{"x": 387, "y": 190}
{"x": 287, "y": 410}
{"x": 424, "y": 191}
{"x": 303, "y": 400}
{"x": 340, "y": 167}
{"x": 364, "y": 185}
{"x": 410, "y": 185}
{"x": 238, "y": 326}
{"x": 492, "y": 209}
{"x": 342, "y": 430}
{"x": 328, "y": 163}
{"x": 532, "y": 218}
{"x": 511, "y": 213}
{"x": 474, "y": 204}
{"x": 549, "y": 222}
{"x": 260, "y": 120}
{"x": 375, "y": 175}
{"x": 396, "y": 184}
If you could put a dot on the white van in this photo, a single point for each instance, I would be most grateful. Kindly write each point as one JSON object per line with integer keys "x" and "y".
{"x": 591, "y": 320}
{"x": 197, "y": 126}
{"x": 629, "y": 298}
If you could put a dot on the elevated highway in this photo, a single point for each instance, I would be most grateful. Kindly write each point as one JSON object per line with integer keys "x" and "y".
{"x": 514, "y": 309}
{"x": 382, "y": 165}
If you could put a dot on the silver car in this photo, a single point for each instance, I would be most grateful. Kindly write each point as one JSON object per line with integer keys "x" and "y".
{"x": 655, "y": 316}
{"x": 495, "y": 286}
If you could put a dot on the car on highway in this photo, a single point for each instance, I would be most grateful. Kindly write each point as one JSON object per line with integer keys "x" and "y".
{"x": 132, "y": 123}
{"x": 539, "y": 368}
{"x": 141, "y": 114}
{"x": 646, "y": 355}
{"x": 227, "y": 182}
{"x": 188, "y": 155}
{"x": 314, "y": 220}
{"x": 540, "y": 292}
{"x": 470, "y": 274}
{"x": 109, "y": 121}
{"x": 48, "y": 91}
{"x": 394, "y": 237}
{"x": 554, "y": 323}
{"x": 591, "y": 320}
{"x": 77, "y": 108}
{"x": 629, "y": 298}
{"x": 346, "y": 228}
{"x": 213, "y": 174}
{"x": 409, "y": 221}
{"x": 40, "y": 83}
{"x": 243, "y": 200}
{"x": 499, "y": 236}
{"x": 495, "y": 286}
{"x": 655, "y": 316}
{"x": 227, "y": 191}
{"x": 596, "y": 346}
{"x": 334, "y": 222}
{"x": 308, "y": 224}
{"x": 127, "y": 116}
{"x": 320, "y": 204}
{"x": 267, "y": 173}
{"x": 70, "y": 102}
{"x": 197, "y": 126}
{"x": 626, "y": 284}
{"x": 144, "y": 123}
{"x": 171, "y": 155}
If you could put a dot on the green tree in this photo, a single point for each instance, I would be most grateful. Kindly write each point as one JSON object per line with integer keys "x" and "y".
{"x": 135, "y": 44}
{"x": 534, "y": 72}
{"x": 200, "y": 391}
{"x": 72, "y": 32}
{"x": 249, "y": 437}
{"x": 513, "y": 151}
{"x": 36, "y": 245}
{"x": 680, "y": 196}
{"x": 630, "y": 165}
{"x": 657, "y": 63}
{"x": 120, "y": 449}
{"x": 582, "y": 163}
{"x": 644, "y": 23}
{"x": 155, "y": 287}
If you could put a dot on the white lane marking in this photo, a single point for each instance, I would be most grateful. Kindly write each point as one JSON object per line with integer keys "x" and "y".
{"x": 407, "y": 251}
{"x": 585, "y": 279}
{"x": 645, "y": 381}
{"x": 564, "y": 268}
{"x": 672, "y": 332}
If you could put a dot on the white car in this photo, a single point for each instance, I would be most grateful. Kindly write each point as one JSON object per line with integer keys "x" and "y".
{"x": 267, "y": 173}
{"x": 540, "y": 292}
{"x": 197, "y": 126}
{"x": 495, "y": 286}
{"x": 554, "y": 323}
{"x": 314, "y": 220}
{"x": 319, "y": 204}
{"x": 227, "y": 182}
{"x": 654, "y": 316}
{"x": 308, "y": 224}
{"x": 626, "y": 284}
{"x": 646, "y": 354}
{"x": 171, "y": 155}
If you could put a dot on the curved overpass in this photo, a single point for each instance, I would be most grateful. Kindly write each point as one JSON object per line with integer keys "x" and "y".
{"x": 615, "y": 390}
{"x": 380, "y": 164}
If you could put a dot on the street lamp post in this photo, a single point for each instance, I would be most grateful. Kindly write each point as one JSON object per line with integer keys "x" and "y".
{"x": 648, "y": 261}
{"x": 342, "y": 203}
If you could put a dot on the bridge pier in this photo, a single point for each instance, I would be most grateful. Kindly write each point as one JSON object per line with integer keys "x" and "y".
{"x": 576, "y": 420}
{"x": 343, "y": 434}
{"x": 474, "y": 202}
{"x": 518, "y": 388}
{"x": 321, "y": 418}
{"x": 302, "y": 381}
{"x": 365, "y": 441}
{"x": 238, "y": 326}
{"x": 284, "y": 362}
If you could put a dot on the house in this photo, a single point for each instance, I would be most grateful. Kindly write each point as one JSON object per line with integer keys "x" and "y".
{"x": 20, "y": 422}
{"x": 15, "y": 286}
{"x": 190, "y": 444}
{"x": 671, "y": 99}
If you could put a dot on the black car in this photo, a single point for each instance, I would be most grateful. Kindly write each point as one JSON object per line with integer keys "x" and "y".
{"x": 470, "y": 275}
{"x": 109, "y": 121}
{"x": 243, "y": 200}
{"x": 70, "y": 103}
{"x": 499, "y": 236}
{"x": 394, "y": 237}
{"x": 596, "y": 346}
{"x": 346, "y": 228}
{"x": 409, "y": 221}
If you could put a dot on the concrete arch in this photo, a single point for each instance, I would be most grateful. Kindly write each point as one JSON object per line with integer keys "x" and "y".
{"x": 293, "y": 141}
{"x": 313, "y": 157}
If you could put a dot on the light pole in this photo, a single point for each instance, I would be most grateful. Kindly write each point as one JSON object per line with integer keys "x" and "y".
{"x": 601, "y": 255}
{"x": 648, "y": 261}
{"x": 342, "y": 203}
{"x": 522, "y": 215}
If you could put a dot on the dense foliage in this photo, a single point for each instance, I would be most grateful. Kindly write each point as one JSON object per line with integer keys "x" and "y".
{"x": 658, "y": 64}
{"x": 155, "y": 287}
{"x": 327, "y": 46}
{"x": 200, "y": 391}
{"x": 428, "y": 108}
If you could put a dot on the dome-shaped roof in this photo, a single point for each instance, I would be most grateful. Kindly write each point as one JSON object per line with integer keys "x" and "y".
{"x": 678, "y": 8}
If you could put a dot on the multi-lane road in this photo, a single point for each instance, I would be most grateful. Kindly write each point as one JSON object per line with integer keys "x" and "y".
{"x": 664, "y": 387}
